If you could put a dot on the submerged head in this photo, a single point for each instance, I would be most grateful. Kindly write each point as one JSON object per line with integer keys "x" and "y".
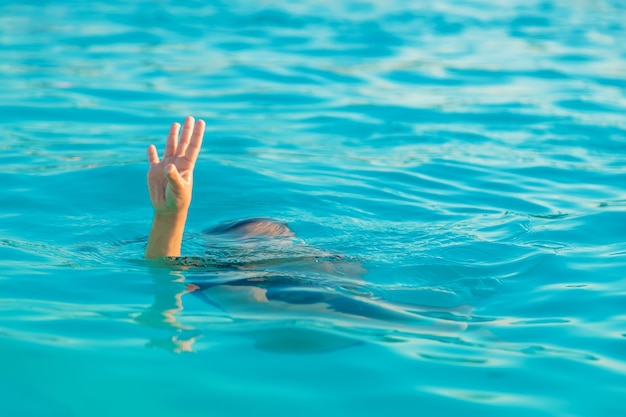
{"x": 256, "y": 227}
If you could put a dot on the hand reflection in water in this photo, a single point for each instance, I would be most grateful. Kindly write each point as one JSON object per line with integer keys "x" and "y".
{"x": 162, "y": 314}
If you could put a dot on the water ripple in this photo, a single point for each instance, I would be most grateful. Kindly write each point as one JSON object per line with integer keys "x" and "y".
{"x": 456, "y": 170}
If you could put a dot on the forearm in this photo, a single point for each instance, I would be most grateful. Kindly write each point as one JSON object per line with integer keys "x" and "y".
{"x": 166, "y": 235}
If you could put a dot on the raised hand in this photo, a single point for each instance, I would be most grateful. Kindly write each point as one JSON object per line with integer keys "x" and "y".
{"x": 170, "y": 180}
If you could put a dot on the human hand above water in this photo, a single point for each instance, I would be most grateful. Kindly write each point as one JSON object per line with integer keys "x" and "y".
{"x": 170, "y": 180}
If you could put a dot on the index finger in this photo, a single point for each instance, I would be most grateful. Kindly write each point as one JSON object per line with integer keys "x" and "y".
{"x": 195, "y": 143}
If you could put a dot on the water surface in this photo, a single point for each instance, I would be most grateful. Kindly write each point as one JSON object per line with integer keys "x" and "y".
{"x": 454, "y": 172}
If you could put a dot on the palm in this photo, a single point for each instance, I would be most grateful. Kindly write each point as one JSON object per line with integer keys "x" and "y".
{"x": 170, "y": 179}
{"x": 162, "y": 195}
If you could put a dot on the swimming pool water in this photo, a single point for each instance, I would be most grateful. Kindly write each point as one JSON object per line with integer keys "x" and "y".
{"x": 454, "y": 171}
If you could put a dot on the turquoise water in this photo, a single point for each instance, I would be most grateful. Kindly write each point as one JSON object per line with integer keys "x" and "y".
{"x": 454, "y": 172}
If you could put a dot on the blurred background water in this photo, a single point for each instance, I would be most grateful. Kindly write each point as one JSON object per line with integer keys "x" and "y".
{"x": 468, "y": 155}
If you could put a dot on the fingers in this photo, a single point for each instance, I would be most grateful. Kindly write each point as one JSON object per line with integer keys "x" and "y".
{"x": 185, "y": 136}
{"x": 195, "y": 143}
{"x": 153, "y": 156}
{"x": 186, "y": 145}
{"x": 174, "y": 179}
{"x": 172, "y": 140}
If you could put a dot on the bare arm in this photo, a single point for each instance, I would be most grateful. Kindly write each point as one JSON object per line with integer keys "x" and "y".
{"x": 170, "y": 183}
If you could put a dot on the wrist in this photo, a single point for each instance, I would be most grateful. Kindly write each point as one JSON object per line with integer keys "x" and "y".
{"x": 170, "y": 216}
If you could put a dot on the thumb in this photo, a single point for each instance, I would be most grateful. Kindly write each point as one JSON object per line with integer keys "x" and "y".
{"x": 174, "y": 180}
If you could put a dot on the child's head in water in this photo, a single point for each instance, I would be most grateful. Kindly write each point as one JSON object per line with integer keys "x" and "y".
{"x": 255, "y": 238}
{"x": 250, "y": 228}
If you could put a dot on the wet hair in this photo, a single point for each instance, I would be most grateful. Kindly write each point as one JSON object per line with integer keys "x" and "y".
{"x": 254, "y": 227}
